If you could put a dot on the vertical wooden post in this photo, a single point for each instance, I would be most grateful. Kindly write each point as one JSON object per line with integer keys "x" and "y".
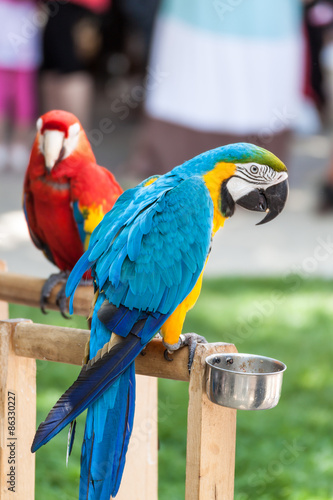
{"x": 211, "y": 436}
{"x": 3, "y": 305}
{"x": 140, "y": 474}
{"x": 17, "y": 419}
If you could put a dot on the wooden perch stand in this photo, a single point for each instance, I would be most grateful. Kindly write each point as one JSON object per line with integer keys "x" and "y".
{"x": 25, "y": 290}
{"x": 211, "y": 430}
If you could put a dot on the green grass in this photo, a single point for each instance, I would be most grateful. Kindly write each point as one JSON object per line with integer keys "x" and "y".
{"x": 284, "y": 453}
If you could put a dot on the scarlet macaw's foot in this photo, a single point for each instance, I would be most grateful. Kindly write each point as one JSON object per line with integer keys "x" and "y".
{"x": 61, "y": 301}
{"x": 48, "y": 286}
{"x": 189, "y": 339}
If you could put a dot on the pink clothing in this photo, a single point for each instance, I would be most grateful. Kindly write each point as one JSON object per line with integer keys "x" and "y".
{"x": 17, "y": 95}
{"x": 20, "y": 56}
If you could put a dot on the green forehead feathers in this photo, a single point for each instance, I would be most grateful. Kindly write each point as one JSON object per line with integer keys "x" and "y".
{"x": 243, "y": 153}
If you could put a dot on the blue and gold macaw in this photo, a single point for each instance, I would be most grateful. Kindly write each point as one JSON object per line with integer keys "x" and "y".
{"x": 147, "y": 258}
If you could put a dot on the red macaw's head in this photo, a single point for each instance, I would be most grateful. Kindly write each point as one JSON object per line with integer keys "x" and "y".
{"x": 60, "y": 136}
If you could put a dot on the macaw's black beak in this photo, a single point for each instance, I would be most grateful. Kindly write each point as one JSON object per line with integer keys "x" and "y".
{"x": 271, "y": 200}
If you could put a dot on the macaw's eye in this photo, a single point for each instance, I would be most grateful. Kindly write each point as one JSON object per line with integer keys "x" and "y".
{"x": 254, "y": 169}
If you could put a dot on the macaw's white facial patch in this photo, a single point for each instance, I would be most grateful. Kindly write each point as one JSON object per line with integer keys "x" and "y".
{"x": 55, "y": 146}
{"x": 250, "y": 176}
{"x": 39, "y": 124}
{"x": 71, "y": 141}
{"x": 74, "y": 130}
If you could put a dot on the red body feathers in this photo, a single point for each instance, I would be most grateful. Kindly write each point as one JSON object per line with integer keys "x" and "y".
{"x": 65, "y": 202}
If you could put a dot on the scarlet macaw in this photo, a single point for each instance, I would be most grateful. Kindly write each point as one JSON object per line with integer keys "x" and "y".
{"x": 66, "y": 194}
{"x": 147, "y": 258}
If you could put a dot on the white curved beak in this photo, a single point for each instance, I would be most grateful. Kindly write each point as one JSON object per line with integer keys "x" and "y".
{"x": 52, "y": 147}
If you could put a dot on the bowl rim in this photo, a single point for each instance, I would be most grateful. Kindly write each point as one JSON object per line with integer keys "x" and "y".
{"x": 228, "y": 354}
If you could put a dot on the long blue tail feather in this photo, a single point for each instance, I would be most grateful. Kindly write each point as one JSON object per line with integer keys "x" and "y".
{"x": 105, "y": 442}
{"x": 71, "y": 438}
{"x": 92, "y": 381}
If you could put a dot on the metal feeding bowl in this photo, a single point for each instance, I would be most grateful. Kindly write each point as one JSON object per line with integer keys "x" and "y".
{"x": 244, "y": 381}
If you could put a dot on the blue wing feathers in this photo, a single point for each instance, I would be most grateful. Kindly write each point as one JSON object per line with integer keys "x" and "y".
{"x": 125, "y": 325}
{"x": 135, "y": 236}
{"x": 82, "y": 265}
{"x": 115, "y": 268}
{"x": 111, "y": 270}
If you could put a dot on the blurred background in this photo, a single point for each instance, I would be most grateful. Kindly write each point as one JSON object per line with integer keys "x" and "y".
{"x": 155, "y": 83}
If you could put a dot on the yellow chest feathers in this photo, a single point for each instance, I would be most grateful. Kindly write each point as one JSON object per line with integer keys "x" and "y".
{"x": 213, "y": 181}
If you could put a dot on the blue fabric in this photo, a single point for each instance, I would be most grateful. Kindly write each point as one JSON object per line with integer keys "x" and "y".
{"x": 255, "y": 19}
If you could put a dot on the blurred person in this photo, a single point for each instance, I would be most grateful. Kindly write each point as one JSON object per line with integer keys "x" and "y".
{"x": 319, "y": 24}
{"x": 325, "y": 198}
{"x": 127, "y": 42}
{"x": 72, "y": 40}
{"x": 220, "y": 72}
{"x": 139, "y": 19}
{"x": 20, "y": 57}
{"x": 318, "y": 21}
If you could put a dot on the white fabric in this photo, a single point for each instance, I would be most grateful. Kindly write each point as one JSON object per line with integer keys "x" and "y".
{"x": 20, "y": 32}
{"x": 220, "y": 83}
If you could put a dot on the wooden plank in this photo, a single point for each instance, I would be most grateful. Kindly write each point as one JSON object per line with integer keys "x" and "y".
{"x": 4, "y": 313}
{"x": 51, "y": 343}
{"x": 18, "y": 419}
{"x": 25, "y": 290}
{"x": 66, "y": 345}
{"x": 211, "y": 436}
{"x": 140, "y": 474}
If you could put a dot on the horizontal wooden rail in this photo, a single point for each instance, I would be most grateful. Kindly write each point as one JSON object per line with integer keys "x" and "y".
{"x": 67, "y": 345}
{"x": 26, "y": 290}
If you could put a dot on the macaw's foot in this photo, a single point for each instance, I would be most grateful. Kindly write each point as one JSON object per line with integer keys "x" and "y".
{"x": 189, "y": 339}
{"x": 48, "y": 286}
{"x": 61, "y": 301}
